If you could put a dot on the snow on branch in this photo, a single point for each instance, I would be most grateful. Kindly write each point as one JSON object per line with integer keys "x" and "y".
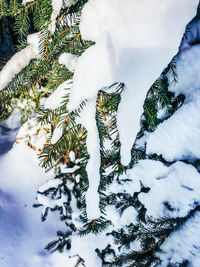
{"x": 20, "y": 60}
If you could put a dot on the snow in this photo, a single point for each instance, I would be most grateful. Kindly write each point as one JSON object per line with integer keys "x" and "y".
{"x": 109, "y": 169}
{"x": 20, "y": 224}
{"x": 57, "y": 97}
{"x": 192, "y": 34}
{"x": 93, "y": 165}
{"x": 13, "y": 122}
{"x": 56, "y": 134}
{"x": 19, "y": 61}
{"x": 187, "y": 62}
{"x": 128, "y": 56}
{"x": 8, "y": 131}
{"x": 50, "y": 184}
{"x": 167, "y": 185}
{"x": 72, "y": 156}
{"x": 34, "y": 135}
{"x": 57, "y": 6}
{"x": 112, "y": 213}
{"x": 182, "y": 244}
{"x": 24, "y": 2}
{"x": 69, "y": 170}
{"x": 78, "y": 178}
{"x": 176, "y": 132}
{"x": 128, "y": 216}
{"x": 69, "y": 3}
{"x": 91, "y": 58}
{"x": 53, "y": 203}
{"x": 68, "y": 60}
{"x": 88, "y": 244}
{"x": 23, "y": 235}
{"x": 180, "y": 132}
{"x": 7, "y": 139}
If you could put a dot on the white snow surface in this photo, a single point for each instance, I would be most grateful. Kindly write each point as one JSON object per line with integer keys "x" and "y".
{"x": 13, "y": 122}
{"x": 180, "y": 132}
{"x": 68, "y": 60}
{"x": 24, "y": 2}
{"x": 167, "y": 185}
{"x": 69, "y": 3}
{"x": 56, "y": 6}
{"x": 87, "y": 119}
{"x": 69, "y": 170}
{"x": 33, "y": 134}
{"x": 128, "y": 216}
{"x": 142, "y": 50}
{"x": 57, "y": 97}
{"x": 20, "y": 60}
{"x": 176, "y": 132}
{"x": 20, "y": 224}
{"x": 182, "y": 245}
{"x": 23, "y": 235}
{"x": 56, "y": 134}
{"x": 187, "y": 62}
{"x": 52, "y": 203}
{"x": 72, "y": 156}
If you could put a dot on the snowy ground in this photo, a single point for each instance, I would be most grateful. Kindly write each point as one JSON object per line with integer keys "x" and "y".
{"x": 6, "y": 139}
{"x": 23, "y": 235}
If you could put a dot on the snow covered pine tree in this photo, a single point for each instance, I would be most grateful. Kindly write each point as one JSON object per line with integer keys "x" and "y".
{"x": 110, "y": 100}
